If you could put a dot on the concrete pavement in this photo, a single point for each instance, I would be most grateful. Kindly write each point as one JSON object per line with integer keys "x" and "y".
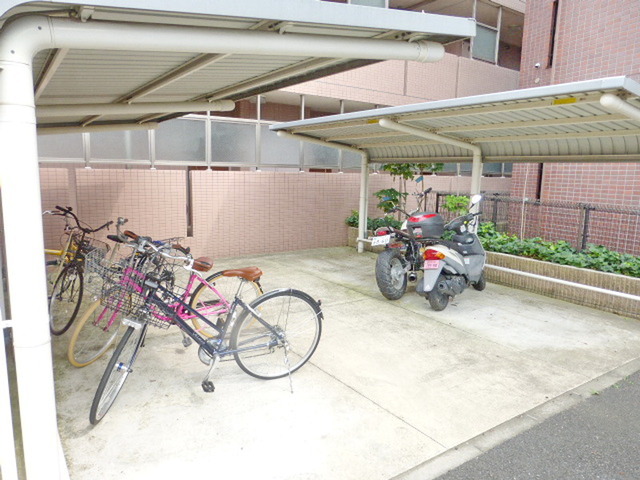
{"x": 394, "y": 389}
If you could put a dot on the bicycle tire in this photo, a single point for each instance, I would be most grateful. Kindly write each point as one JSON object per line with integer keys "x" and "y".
{"x": 295, "y": 316}
{"x": 116, "y": 373}
{"x": 90, "y": 340}
{"x": 65, "y": 299}
{"x": 227, "y": 286}
{"x": 52, "y": 268}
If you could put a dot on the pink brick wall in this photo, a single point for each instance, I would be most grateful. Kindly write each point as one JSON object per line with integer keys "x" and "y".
{"x": 54, "y": 191}
{"x": 234, "y": 213}
{"x": 592, "y": 41}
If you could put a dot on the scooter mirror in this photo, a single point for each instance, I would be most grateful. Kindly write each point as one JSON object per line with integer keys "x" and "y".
{"x": 476, "y": 199}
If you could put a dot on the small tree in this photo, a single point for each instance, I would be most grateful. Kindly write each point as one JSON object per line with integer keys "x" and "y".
{"x": 391, "y": 197}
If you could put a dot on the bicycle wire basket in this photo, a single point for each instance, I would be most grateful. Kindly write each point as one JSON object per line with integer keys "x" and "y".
{"x": 128, "y": 282}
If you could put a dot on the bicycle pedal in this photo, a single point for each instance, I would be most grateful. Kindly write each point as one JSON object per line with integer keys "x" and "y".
{"x": 208, "y": 386}
{"x": 186, "y": 341}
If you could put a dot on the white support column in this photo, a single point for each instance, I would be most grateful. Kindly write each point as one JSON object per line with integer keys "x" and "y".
{"x": 20, "y": 190}
{"x": 364, "y": 202}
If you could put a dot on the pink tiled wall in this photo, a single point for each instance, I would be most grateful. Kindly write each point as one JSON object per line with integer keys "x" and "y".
{"x": 54, "y": 191}
{"x": 400, "y": 83}
{"x": 234, "y": 213}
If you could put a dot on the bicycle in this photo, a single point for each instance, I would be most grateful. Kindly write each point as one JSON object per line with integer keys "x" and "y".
{"x": 98, "y": 328}
{"x": 272, "y": 337}
{"x": 66, "y": 295}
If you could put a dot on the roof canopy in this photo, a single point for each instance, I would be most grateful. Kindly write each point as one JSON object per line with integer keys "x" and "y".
{"x": 181, "y": 56}
{"x": 596, "y": 120}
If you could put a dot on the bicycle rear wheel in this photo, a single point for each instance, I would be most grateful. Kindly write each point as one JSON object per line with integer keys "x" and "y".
{"x": 65, "y": 299}
{"x": 206, "y": 300}
{"x": 94, "y": 333}
{"x": 117, "y": 371}
{"x": 283, "y": 339}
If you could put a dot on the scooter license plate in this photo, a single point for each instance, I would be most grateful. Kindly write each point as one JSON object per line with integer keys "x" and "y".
{"x": 431, "y": 264}
{"x": 382, "y": 240}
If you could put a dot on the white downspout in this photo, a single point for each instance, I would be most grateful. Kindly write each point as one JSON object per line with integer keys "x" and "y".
{"x": 133, "y": 108}
{"x": 20, "y": 193}
{"x": 364, "y": 202}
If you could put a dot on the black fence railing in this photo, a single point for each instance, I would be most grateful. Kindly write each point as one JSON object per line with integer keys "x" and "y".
{"x": 615, "y": 227}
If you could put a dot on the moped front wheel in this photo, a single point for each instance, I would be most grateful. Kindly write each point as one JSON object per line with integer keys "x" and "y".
{"x": 391, "y": 275}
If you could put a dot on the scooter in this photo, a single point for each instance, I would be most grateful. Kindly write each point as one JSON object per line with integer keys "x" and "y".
{"x": 451, "y": 266}
{"x": 448, "y": 266}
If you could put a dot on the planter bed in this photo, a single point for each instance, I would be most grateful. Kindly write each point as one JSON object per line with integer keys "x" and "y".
{"x": 599, "y": 300}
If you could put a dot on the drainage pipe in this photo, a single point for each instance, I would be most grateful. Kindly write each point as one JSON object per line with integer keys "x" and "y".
{"x": 84, "y": 109}
{"x": 119, "y": 127}
{"x": 25, "y": 36}
{"x": 615, "y": 104}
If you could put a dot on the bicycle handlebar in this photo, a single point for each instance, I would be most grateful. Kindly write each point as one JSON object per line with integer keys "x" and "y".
{"x": 69, "y": 211}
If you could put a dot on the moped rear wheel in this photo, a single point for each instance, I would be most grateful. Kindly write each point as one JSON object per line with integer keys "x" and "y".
{"x": 437, "y": 298}
{"x": 391, "y": 275}
{"x": 481, "y": 283}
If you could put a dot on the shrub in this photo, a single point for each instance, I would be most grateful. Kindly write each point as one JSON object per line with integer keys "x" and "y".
{"x": 372, "y": 223}
{"x": 594, "y": 257}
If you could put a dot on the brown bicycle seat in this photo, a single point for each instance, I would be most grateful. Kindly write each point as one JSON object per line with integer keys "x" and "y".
{"x": 202, "y": 264}
{"x": 131, "y": 235}
{"x": 248, "y": 273}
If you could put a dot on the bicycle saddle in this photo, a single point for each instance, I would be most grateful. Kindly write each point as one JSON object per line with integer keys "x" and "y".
{"x": 248, "y": 273}
{"x": 202, "y": 264}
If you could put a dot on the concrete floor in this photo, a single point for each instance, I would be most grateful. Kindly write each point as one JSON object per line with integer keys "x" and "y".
{"x": 391, "y": 386}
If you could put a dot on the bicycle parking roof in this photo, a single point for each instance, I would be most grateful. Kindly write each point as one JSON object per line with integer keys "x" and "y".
{"x": 587, "y": 121}
{"x": 183, "y": 78}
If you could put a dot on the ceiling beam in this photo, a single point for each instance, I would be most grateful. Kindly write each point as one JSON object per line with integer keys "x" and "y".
{"x": 52, "y": 65}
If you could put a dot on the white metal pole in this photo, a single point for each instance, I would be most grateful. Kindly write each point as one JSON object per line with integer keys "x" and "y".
{"x": 20, "y": 190}
{"x": 364, "y": 202}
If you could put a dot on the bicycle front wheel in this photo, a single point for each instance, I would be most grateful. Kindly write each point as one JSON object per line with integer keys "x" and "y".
{"x": 117, "y": 371}
{"x": 209, "y": 304}
{"x": 94, "y": 333}
{"x": 283, "y": 337}
{"x": 65, "y": 299}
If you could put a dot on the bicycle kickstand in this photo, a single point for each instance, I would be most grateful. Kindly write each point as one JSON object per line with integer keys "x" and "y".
{"x": 186, "y": 341}
{"x": 207, "y": 385}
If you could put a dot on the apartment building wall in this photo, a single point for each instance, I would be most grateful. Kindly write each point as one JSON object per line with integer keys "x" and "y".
{"x": 594, "y": 39}
{"x": 401, "y": 83}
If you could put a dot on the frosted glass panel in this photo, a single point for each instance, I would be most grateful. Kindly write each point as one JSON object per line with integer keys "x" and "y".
{"x": 484, "y": 44}
{"x": 492, "y": 168}
{"x": 320, "y": 156}
{"x": 120, "y": 145}
{"x": 181, "y": 140}
{"x": 351, "y": 161}
{"x": 233, "y": 142}
{"x": 276, "y": 150}
{"x": 61, "y": 146}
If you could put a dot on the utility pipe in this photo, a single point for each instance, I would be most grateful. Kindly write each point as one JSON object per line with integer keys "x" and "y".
{"x": 39, "y": 32}
{"x": 626, "y": 296}
{"x": 97, "y": 128}
{"x": 48, "y": 111}
{"x": 476, "y": 169}
{"x": 615, "y": 104}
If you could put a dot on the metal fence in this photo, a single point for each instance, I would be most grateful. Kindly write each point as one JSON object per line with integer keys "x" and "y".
{"x": 615, "y": 227}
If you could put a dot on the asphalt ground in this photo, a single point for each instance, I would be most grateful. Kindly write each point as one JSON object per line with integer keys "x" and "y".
{"x": 597, "y": 439}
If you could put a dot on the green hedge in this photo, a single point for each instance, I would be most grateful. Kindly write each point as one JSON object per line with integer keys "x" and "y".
{"x": 594, "y": 257}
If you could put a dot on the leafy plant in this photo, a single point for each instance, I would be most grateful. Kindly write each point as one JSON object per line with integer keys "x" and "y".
{"x": 372, "y": 223}
{"x": 594, "y": 257}
{"x": 456, "y": 204}
{"x": 390, "y": 198}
